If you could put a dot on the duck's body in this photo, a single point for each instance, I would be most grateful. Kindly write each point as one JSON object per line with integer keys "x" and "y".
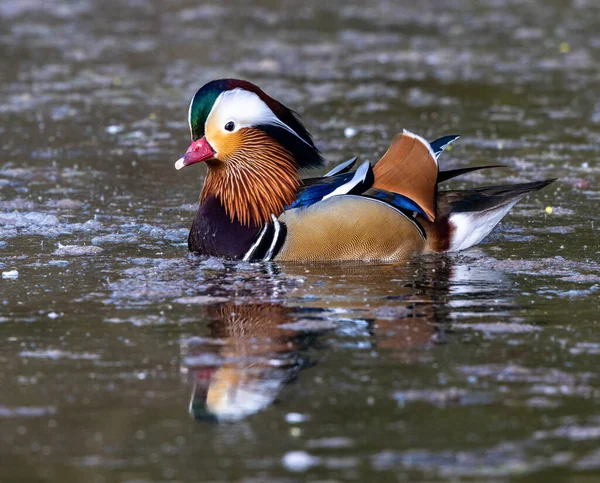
{"x": 255, "y": 206}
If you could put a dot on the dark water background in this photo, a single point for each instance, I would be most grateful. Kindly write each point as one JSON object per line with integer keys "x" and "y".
{"x": 134, "y": 362}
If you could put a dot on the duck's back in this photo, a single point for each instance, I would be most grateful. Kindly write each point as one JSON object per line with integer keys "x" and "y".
{"x": 349, "y": 228}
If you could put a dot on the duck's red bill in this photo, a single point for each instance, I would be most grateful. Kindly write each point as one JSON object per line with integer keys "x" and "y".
{"x": 198, "y": 151}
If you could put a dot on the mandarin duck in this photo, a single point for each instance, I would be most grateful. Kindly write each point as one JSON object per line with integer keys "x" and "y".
{"x": 255, "y": 206}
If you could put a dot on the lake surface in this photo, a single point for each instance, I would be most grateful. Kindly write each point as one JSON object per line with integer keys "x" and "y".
{"x": 124, "y": 359}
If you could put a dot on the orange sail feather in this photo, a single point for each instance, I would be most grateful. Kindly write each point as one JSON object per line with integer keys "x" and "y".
{"x": 409, "y": 168}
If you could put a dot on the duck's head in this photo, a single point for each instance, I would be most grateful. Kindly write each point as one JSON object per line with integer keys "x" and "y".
{"x": 253, "y": 146}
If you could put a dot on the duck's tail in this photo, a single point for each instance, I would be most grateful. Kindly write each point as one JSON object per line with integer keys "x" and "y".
{"x": 466, "y": 217}
{"x": 452, "y": 220}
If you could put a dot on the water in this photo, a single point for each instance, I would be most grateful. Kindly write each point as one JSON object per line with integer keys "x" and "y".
{"x": 125, "y": 359}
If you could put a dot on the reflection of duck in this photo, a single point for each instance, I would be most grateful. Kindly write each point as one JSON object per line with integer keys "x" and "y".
{"x": 407, "y": 304}
{"x": 254, "y": 349}
{"x": 256, "y": 357}
{"x": 401, "y": 301}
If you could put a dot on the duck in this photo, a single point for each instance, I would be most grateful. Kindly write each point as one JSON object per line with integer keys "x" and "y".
{"x": 256, "y": 206}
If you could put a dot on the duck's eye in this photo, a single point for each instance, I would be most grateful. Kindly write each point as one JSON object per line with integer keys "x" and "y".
{"x": 230, "y": 126}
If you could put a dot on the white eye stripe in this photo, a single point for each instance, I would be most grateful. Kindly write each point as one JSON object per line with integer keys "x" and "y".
{"x": 244, "y": 109}
{"x": 280, "y": 123}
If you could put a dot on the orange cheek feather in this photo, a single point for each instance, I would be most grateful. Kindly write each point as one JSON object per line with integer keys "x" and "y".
{"x": 225, "y": 144}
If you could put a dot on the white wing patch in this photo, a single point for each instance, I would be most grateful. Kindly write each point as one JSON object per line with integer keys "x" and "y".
{"x": 359, "y": 177}
{"x": 343, "y": 167}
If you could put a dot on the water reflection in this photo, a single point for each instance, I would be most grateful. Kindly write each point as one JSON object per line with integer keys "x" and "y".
{"x": 254, "y": 349}
{"x": 242, "y": 366}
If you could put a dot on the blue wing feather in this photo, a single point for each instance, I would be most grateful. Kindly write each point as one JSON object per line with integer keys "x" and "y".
{"x": 398, "y": 201}
{"x": 310, "y": 194}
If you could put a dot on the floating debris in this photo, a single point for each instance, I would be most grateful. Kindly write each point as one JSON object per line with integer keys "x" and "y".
{"x": 498, "y": 327}
{"x": 212, "y": 264}
{"x": 77, "y": 250}
{"x": 115, "y": 239}
{"x": 59, "y": 263}
{"x": 11, "y": 274}
{"x": 55, "y": 354}
{"x": 114, "y": 129}
{"x": 391, "y": 312}
{"x": 350, "y": 132}
{"x": 26, "y": 411}
{"x": 310, "y": 325}
{"x": 299, "y": 461}
{"x": 201, "y": 300}
{"x": 296, "y": 418}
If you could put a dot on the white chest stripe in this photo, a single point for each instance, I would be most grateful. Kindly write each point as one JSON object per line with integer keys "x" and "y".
{"x": 277, "y": 226}
{"x": 250, "y": 252}
{"x": 277, "y": 232}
